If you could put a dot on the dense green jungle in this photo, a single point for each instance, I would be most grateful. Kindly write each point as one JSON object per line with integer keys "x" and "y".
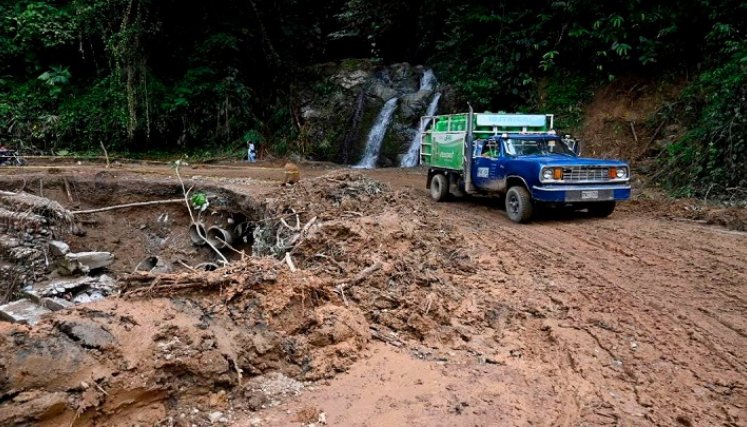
{"x": 307, "y": 79}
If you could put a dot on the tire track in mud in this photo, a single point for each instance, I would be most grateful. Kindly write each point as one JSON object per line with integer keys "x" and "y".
{"x": 645, "y": 289}
{"x": 670, "y": 290}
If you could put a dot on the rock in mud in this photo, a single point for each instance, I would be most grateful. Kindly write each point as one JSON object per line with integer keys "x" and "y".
{"x": 56, "y": 304}
{"x": 214, "y": 417}
{"x": 58, "y": 248}
{"x": 23, "y": 311}
{"x": 87, "y": 261}
{"x": 59, "y": 287}
{"x": 88, "y": 335}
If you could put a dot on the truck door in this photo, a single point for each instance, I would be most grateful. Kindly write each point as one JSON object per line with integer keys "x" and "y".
{"x": 485, "y": 161}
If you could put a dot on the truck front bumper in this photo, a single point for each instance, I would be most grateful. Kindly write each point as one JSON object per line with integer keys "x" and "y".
{"x": 580, "y": 193}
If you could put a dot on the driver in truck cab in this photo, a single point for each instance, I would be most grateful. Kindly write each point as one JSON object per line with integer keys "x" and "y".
{"x": 490, "y": 149}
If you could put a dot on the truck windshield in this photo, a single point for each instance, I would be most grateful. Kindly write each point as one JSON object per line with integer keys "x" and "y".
{"x": 527, "y": 147}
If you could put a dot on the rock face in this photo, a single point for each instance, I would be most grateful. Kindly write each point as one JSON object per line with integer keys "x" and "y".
{"x": 342, "y": 100}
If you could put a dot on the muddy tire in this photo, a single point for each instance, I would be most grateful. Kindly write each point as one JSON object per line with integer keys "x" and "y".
{"x": 601, "y": 209}
{"x": 519, "y": 204}
{"x": 439, "y": 187}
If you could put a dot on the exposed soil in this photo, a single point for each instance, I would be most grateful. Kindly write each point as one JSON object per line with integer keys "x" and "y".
{"x": 626, "y": 120}
{"x": 390, "y": 309}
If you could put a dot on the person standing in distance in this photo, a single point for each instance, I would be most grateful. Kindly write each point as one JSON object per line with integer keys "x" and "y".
{"x": 251, "y": 151}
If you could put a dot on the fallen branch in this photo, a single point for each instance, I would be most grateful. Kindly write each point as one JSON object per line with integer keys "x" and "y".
{"x": 185, "y": 265}
{"x": 289, "y": 261}
{"x": 106, "y": 155}
{"x": 363, "y": 275}
{"x": 298, "y": 238}
{"x": 376, "y": 334}
{"x": 635, "y": 135}
{"x": 298, "y": 222}
{"x": 280, "y": 216}
{"x": 143, "y": 283}
{"x": 192, "y": 217}
{"x": 332, "y": 260}
{"x": 68, "y": 191}
{"x": 128, "y": 205}
{"x": 340, "y": 289}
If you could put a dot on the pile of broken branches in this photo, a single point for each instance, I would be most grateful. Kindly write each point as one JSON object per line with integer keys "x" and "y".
{"x": 24, "y": 208}
{"x": 238, "y": 276}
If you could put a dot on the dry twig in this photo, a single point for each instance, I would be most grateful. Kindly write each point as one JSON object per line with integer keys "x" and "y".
{"x": 128, "y": 205}
{"x": 192, "y": 217}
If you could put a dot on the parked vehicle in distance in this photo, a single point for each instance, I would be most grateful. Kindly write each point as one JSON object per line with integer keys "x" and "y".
{"x": 10, "y": 157}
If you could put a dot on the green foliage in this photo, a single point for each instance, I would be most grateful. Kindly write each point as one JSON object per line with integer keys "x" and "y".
{"x": 712, "y": 156}
{"x": 564, "y": 95}
{"x": 41, "y": 22}
{"x": 155, "y": 75}
{"x": 80, "y": 129}
{"x": 55, "y": 79}
{"x": 200, "y": 201}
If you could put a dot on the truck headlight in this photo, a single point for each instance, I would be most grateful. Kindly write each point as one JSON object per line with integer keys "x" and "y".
{"x": 547, "y": 174}
{"x": 621, "y": 173}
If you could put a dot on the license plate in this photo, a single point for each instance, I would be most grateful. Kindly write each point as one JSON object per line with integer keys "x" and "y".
{"x": 589, "y": 195}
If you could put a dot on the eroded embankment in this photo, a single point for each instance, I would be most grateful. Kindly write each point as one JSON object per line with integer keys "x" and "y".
{"x": 349, "y": 259}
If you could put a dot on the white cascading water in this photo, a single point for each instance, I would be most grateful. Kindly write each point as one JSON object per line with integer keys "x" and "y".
{"x": 427, "y": 80}
{"x": 412, "y": 158}
{"x": 376, "y": 135}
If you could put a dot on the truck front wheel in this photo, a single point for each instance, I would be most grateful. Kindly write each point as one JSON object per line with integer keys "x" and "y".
{"x": 439, "y": 187}
{"x": 518, "y": 204}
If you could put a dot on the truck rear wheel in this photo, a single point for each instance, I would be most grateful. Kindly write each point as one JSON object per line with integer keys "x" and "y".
{"x": 601, "y": 209}
{"x": 518, "y": 204}
{"x": 439, "y": 187}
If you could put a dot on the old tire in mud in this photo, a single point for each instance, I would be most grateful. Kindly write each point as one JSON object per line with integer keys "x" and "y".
{"x": 601, "y": 209}
{"x": 439, "y": 187}
{"x": 518, "y": 204}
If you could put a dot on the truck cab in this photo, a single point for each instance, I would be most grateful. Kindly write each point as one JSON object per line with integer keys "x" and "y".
{"x": 526, "y": 166}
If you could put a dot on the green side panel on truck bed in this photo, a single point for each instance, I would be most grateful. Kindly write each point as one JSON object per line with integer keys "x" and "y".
{"x": 443, "y": 142}
{"x": 444, "y": 150}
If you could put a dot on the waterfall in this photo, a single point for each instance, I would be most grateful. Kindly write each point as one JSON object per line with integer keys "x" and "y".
{"x": 376, "y": 135}
{"x": 427, "y": 80}
{"x": 412, "y": 158}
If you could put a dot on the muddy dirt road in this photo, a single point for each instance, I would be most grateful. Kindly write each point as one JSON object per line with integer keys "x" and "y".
{"x": 630, "y": 320}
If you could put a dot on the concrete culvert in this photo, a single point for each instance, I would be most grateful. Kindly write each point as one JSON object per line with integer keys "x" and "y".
{"x": 206, "y": 266}
{"x": 147, "y": 264}
{"x": 220, "y": 237}
{"x": 196, "y": 230}
{"x": 153, "y": 264}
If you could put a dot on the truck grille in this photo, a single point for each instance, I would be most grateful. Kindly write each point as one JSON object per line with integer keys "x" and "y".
{"x": 585, "y": 174}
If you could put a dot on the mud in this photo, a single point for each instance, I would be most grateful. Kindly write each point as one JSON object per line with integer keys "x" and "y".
{"x": 390, "y": 309}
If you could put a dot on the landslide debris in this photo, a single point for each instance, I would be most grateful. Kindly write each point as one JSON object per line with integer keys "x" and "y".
{"x": 337, "y": 260}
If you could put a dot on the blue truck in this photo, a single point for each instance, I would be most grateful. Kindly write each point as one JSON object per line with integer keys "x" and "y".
{"x": 518, "y": 157}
